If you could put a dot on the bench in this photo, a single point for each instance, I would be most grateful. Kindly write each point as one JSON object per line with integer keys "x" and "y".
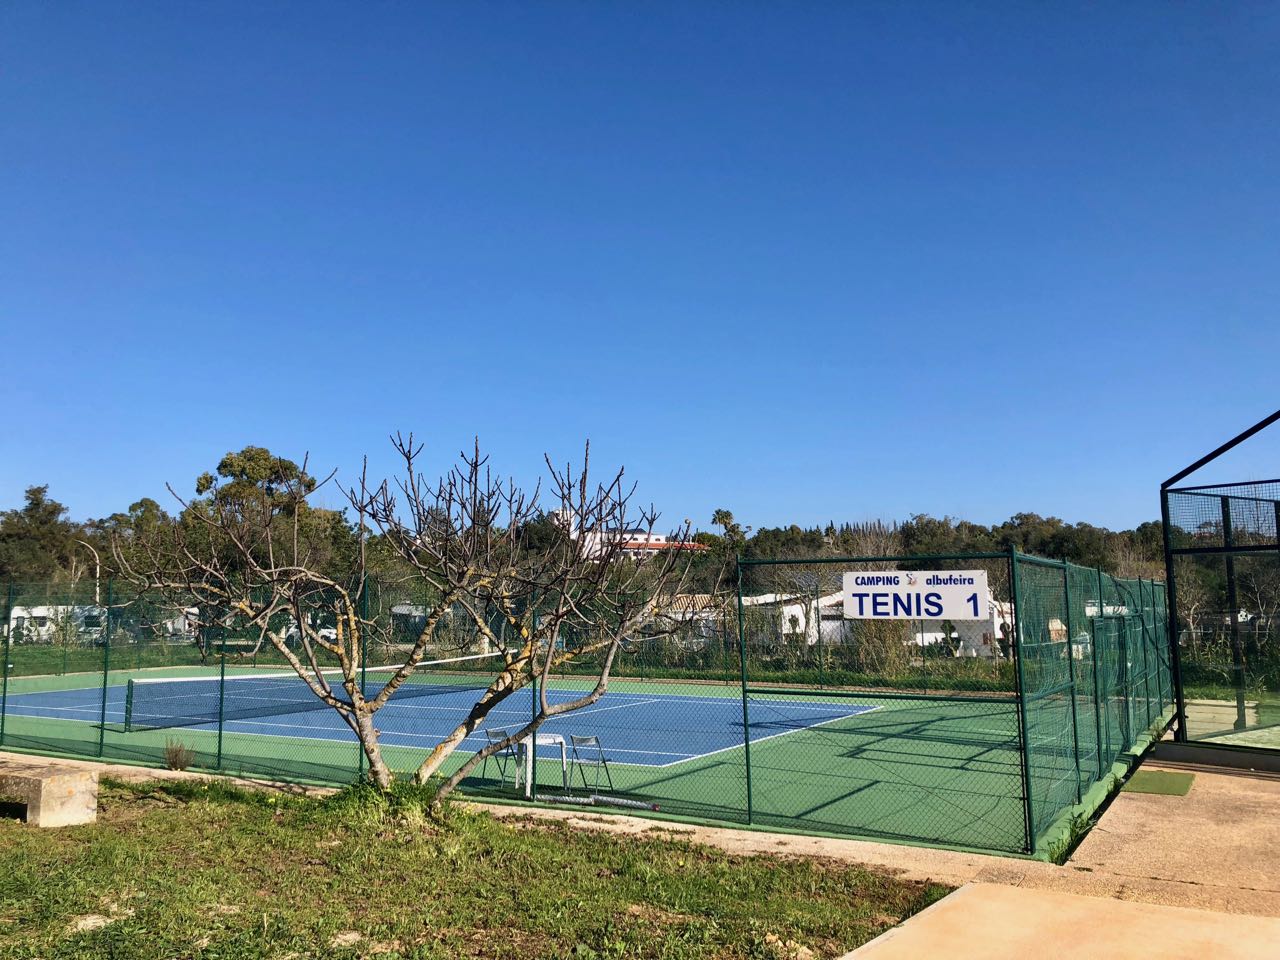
{"x": 54, "y": 796}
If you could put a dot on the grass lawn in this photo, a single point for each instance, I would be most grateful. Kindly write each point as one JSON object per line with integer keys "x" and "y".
{"x": 201, "y": 870}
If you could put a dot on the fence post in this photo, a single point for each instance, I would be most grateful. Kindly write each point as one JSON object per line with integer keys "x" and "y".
{"x": 363, "y": 607}
{"x": 1093, "y": 666}
{"x": 1237, "y": 646}
{"x": 746, "y": 719}
{"x": 222, "y": 698}
{"x": 532, "y": 785}
{"x": 1071, "y": 674}
{"x": 1147, "y": 636}
{"x": 1171, "y": 618}
{"x": 1021, "y": 701}
{"x": 817, "y": 626}
{"x": 1103, "y": 697}
{"x": 106, "y": 675}
{"x": 4, "y": 684}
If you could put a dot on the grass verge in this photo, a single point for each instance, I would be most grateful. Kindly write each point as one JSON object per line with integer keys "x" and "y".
{"x": 203, "y": 870}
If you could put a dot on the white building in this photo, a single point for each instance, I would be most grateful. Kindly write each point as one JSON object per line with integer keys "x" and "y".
{"x": 635, "y": 541}
{"x": 44, "y": 623}
{"x": 704, "y": 615}
{"x": 796, "y": 619}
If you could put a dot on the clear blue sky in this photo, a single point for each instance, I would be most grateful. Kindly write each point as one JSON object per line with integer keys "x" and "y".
{"x": 807, "y": 261}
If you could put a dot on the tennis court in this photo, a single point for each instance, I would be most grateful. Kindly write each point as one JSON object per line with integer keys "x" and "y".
{"x": 634, "y": 728}
{"x": 794, "y": 717}
{"x": 895, "y": 767}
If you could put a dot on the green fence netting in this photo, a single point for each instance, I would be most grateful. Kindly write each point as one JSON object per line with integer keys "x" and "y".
{"x": 761, "y": 706}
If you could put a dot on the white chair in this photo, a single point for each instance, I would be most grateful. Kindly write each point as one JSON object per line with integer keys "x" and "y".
{"x": 504, "y": 757}
{"x": 587, "y": 752}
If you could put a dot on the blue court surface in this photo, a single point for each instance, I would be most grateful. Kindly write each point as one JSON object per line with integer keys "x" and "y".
{"x": 651, "y": 729}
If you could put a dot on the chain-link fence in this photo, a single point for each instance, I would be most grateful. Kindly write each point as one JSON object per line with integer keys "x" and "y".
{"x": 770, "y": 706}
{"x": 1096, "y": 683}
{"x": 1222, "y": 546}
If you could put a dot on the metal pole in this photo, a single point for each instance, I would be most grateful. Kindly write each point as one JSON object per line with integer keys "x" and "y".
{"x": 1209, "y": 457}
{"x": 746, "y": 718}
{"x": 1171, "y": 617}
{"x": 363, "y": 606}
{"x": 106, "y": 677}
{"x": 1098, "y": 717}
{"x": 817, "y": 625}
{"x": 222, "y": 698}
{"x": 1147, "y": 636}
{"x": 1104, "y": 695}
{"x": 530, "y": 784}
{"x": 1021, "y": 702}
{"x": 1071, "y": 673}
{"x": 1237, "y": 649}
{"x": 1126, "y": 682}
{"x": 4, "y": 684}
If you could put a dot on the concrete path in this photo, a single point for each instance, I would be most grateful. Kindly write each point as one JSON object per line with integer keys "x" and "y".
{"x": 1215, "y": 848}
{"x": 982, "y": 921}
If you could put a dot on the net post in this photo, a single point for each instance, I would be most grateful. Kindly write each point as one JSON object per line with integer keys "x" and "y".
{"x": 4, "y": 669}
{"x": 1071, "y": 674}
{"x": 746, "y": 719}
{"x": 106, "y": 675}
{"x": 1021, "y": 701}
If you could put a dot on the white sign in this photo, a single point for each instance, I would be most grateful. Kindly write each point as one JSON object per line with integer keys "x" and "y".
{"x": 916, "y": 595}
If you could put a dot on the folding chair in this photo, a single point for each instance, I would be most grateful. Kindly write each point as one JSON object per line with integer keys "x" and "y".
{"x": 508, "y": 755}
{"x": 587, "y": 752}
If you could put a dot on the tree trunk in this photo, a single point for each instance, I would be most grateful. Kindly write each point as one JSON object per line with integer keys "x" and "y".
{"x": 441, "y": 752}
{"x": 379, "y": 772}
{"x": 502, "y": 687}
{"x": 473, "y": 761}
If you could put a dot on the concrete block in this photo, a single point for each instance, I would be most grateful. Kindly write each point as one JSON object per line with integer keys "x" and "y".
{"x": 54, "y": 796}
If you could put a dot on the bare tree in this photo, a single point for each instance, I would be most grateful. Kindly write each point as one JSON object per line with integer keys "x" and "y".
{"x": 1131, "y": 562}
{"x": 1194, "y": 600}
{"x": 881, "y": 647}
{"x": 1259, "y": 579}
{"x": 578, "y": 600}
{"x": 238, "y": 562}
{"x": 241, "y": 561}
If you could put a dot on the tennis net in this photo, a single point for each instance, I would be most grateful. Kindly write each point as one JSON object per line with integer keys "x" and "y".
{"x": 155, "y": 704}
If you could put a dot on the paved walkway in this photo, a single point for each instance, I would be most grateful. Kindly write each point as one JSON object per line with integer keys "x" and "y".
{"x": 983, "y": 921}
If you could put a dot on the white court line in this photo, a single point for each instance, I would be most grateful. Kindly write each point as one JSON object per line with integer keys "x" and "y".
{"x": 506, "y": 709}
{"x": 95, "y": 709}
{"x": 684, "y": 758}
{"x": 772, "y": 736}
